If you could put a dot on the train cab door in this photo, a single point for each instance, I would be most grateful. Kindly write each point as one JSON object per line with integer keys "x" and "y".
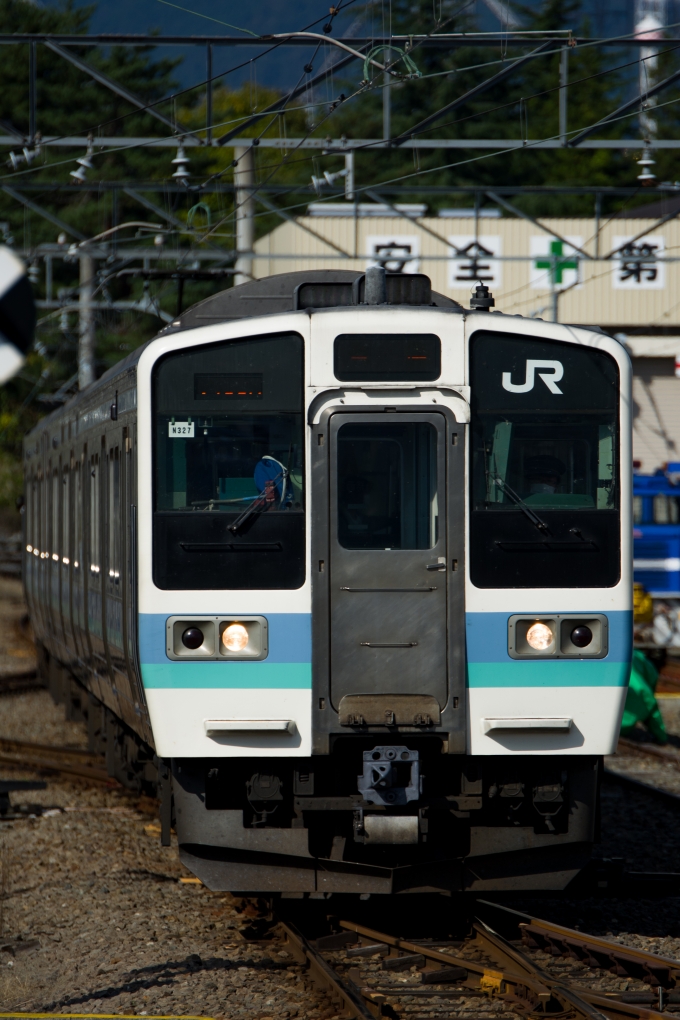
{"x": 390, "y": 561}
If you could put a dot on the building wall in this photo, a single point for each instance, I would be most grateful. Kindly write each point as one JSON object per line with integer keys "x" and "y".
{"x": 656, "y": 412}
{"x": 639, "y": 292}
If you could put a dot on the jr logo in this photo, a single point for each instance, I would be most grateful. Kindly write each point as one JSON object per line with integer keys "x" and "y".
{"x": 550, "y": 378}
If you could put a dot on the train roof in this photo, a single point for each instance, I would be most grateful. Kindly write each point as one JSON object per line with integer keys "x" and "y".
{"x": 272, "y": 295}
{"x": 315, "y": 288}
{"x": 286, "y": 292}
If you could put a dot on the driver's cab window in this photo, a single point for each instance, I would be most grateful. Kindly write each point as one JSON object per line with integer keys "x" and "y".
{"x": 229, "y": 435}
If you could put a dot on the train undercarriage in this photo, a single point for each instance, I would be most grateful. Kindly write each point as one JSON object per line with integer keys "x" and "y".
{"x": 380, "y": 814}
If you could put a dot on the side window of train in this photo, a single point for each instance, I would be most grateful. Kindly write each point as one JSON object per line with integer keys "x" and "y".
{"x": 65, "y": 518}
{"x": 94, "y": 528}
{"x": 666, "y": 509}
{"x": 39, "y": 533}
{"x": 77, "y": 515}
{"x": 544, "y": 458}
{"x": 114, "y": 519}
{"x": 55, "y": 529}
{"x": 638, "y": 510}
{"x": 229, "y": 454}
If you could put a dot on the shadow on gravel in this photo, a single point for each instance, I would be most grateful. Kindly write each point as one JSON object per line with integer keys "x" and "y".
{"x": 163, "y": 975}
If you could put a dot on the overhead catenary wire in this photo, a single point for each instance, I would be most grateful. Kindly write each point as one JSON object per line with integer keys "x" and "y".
{"x": 368, "y": 145}
{"x": 336, "y": 105}
{"x": 486, "y": 155}
{"x": 205, "y": 81}
{"x": 372, "y": 85}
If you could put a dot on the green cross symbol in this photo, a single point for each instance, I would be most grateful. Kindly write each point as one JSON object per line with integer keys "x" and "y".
{"x": 557, "y": 262}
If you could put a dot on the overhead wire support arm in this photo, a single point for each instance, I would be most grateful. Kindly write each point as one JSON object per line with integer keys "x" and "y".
{"x": 439, "y": 39}
{"x": 495, "y": 197}
{"x": 372, "y": 193}
{"x": 621, "y": 110}
{"x": 472, "y": 93}
{"x": 45, "y": 213}
{"x": 152, "y": 207}
{"x": 120, "y": 90}
{"x": 643, "y": 233}
{"x": 296, "y": 222}
{"x": 280, "y": 103}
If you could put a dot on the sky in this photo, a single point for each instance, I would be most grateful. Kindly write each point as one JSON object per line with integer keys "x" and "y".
{"x": 283, "y": 68}
{"x": 280, "y": 69}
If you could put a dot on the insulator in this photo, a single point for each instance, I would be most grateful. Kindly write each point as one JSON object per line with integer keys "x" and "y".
{"x": 15, "y": 160}
{"x": 79, "y": 175}
{"x": 181, "y": 156}
{"x": 645, "y": 162}
{"x": 181, "y": 161}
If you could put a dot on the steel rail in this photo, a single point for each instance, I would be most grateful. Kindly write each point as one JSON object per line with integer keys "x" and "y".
{"x": 510, "y": 974}
{"x": 520, "y": 988}
{"x": 609, "y": 1005}
{"x": 323, "y": 975}
{"x": 69, "y": 761}
{"x": 602, "y": 953}
{"x": 667, "y": 754}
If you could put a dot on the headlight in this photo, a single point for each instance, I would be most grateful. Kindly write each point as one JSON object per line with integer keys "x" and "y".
{"x": 581, "y": 636}
{"x": 540, "y": 637}
{"x": 192, "y": 637}
{"x": 235, "y": 637}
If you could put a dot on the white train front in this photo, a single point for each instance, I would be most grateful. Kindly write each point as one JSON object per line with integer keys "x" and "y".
{"x": 353, "y": 564}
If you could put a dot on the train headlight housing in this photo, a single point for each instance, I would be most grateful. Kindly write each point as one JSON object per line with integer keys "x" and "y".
{"x": 540, "y": 637}
{"x": 558, "y": 636}
{"x": 243, "y": 637}
{"x": 216, "y": 637}
{"x": 235, "y": 637}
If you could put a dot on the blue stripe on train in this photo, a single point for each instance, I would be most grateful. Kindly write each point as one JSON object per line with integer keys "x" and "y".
{"x": 490, "y": 665}
{"x": 290, "y": 637}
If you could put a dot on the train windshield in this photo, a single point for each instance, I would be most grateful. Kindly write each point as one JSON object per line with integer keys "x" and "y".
{"x": 544, "y": 452}
{"x": 229, "y": 471}
{"x": 552, "y": 462}
{"x": 229, "y": 441}
{"x": 230, "y": 463}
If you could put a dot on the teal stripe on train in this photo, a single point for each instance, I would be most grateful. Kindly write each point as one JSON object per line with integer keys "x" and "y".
{"x": 227, "y": 675}
{"x": 561, "y": 673}
{"x": 490, "y": 665}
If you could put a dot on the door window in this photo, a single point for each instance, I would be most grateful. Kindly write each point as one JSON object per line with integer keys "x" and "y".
{"x": 387, "y": 486}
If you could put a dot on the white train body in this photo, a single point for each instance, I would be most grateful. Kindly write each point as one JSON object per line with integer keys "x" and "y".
{"x": 330, "y": 533}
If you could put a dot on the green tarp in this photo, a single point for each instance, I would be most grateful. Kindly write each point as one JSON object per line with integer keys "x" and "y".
{"x": 641, "y": 703}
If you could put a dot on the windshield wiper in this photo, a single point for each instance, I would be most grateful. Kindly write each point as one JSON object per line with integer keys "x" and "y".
{"x": 534, "y": 518}
{"x": 265, "y": 498}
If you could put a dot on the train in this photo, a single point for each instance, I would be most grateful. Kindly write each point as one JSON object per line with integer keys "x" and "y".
{"x": 656, "y": 560}
{"x": 343, "y": 571}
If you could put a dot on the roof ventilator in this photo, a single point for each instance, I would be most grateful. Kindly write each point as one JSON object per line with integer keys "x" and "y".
{"x": 374, "y": 287}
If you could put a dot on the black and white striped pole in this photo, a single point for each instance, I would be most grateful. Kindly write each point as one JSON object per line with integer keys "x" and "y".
{"x": 17, "y": 314}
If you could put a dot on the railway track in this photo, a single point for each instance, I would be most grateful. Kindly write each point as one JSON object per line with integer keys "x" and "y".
{"x": 368, "y": 973}
{"x": 24, "y": 754}
{"x": 657, "y": 773}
